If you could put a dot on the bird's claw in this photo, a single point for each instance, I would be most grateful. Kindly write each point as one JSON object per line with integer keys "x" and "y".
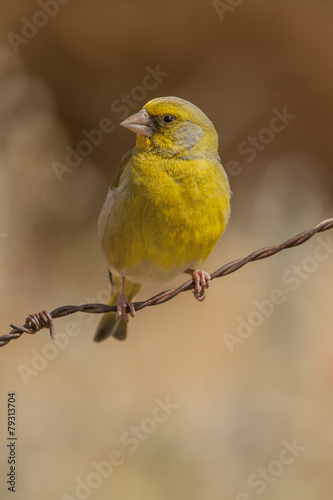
{"x": 123, "y": 302}
{"x": 201, "y": 283}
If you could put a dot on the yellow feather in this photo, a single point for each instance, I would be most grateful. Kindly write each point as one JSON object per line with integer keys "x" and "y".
{"x": 171, "y": 200}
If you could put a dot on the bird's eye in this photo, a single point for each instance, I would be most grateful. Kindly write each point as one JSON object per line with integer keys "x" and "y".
{"x": 168, "y": 118}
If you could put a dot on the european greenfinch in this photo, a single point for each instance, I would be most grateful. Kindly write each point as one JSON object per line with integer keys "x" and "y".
{"x": 168, "y": 206}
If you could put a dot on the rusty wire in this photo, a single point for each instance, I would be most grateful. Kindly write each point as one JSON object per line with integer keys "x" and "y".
{"x": 36, "y": 322}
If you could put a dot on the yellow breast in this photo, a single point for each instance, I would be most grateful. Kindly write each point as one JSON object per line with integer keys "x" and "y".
{"x": 165, "y": 216}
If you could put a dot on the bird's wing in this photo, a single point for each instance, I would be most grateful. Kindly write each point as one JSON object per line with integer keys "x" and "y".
{"x": 123, "y": 164}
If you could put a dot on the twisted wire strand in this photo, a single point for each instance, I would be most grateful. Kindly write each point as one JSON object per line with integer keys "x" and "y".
{"x": 44, "y": 319}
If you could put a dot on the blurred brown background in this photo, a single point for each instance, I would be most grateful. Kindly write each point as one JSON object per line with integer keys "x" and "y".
{"x": 65, "y": 66}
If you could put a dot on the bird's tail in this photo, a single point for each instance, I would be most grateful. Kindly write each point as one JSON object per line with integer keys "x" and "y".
{"x": 109, "y": 325}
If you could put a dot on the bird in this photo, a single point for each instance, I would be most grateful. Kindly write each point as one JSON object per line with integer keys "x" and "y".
{"x": 167, "y": 208}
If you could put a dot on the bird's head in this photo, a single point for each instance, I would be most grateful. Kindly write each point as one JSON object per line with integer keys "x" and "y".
{"x": 170, "y": 126}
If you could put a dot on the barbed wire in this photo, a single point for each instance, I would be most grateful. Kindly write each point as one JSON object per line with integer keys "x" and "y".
{"x": 36, "y": 322}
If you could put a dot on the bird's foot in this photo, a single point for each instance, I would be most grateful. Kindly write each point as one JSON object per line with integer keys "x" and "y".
{"x": 123, "y": 302}
{"x": 201, "y": 282}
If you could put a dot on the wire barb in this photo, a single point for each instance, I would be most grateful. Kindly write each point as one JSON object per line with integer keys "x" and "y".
{"x": 36, "y": 322}
{"x": 33, "y": 324}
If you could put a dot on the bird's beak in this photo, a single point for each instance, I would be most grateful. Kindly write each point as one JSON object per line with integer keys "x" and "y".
{"x": 140, "y": 123}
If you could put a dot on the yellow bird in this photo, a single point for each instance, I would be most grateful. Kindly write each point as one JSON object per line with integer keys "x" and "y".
{"x": 168, "y": 207}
